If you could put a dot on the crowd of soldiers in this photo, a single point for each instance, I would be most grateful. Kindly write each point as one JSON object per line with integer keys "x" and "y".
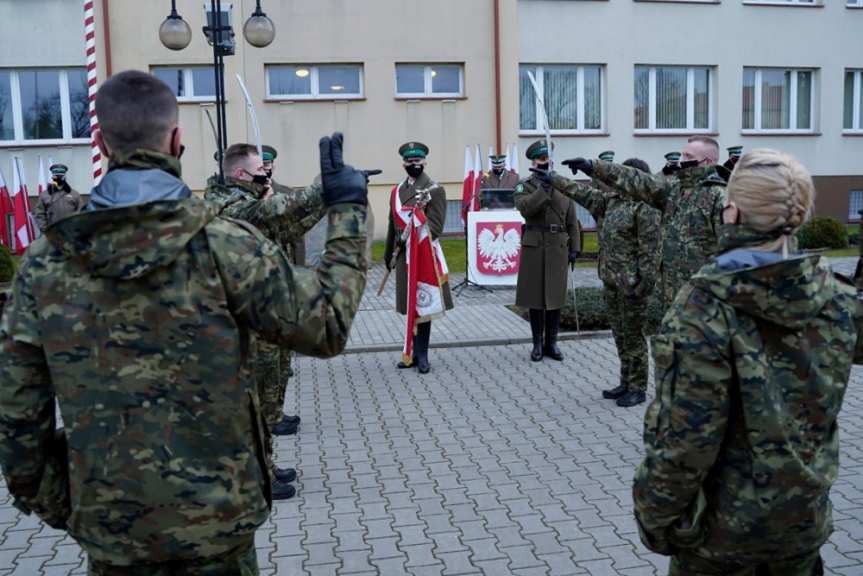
{"x": 162, "y": 326}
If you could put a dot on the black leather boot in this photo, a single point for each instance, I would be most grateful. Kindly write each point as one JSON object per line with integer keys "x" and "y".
{"x": 615, "y": 393}
{"x": 537, "y": 320}
{"x": 422, "y": 347}
{"x": 552, "y": 324}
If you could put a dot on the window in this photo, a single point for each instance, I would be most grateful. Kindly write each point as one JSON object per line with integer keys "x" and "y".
{"x": 44, "y": 105}
{"x": 318, "y": 82}
{"x": 429, "y": 80}
{"x": 673, "y": 99}
{"x": 855, "y": 205}
{"x": 189, "y": 84}
{"x": 585, "y": 218}
{"x": 573, "y": 96}
{"x": 852, "y": 120}
{"x": 778, "y": 100}
{"x": 452, "y": 224}
{"x": 855, "y": 3}
{"x": 805, "y": 2}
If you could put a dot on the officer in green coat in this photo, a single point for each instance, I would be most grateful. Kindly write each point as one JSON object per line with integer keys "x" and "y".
{"x": 550, "y": 242}
{"x": 418, "y": 182}
{"x": 133, "y": 318}
{"x": 628, "y": 244}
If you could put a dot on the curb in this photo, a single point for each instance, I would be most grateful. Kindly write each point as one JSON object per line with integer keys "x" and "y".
{"x": 565, "y": 337}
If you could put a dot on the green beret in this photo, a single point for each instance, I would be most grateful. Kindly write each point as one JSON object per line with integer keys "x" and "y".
{"x": 537, "y": 150}
{"x": 607, "y": 156}
{"x": 58, "y": 169}
{"x": 413, "y": 150}
{"x": 673, "y": 157}
{"x": 497, "y": 160}
{"x": 269, "y": 153}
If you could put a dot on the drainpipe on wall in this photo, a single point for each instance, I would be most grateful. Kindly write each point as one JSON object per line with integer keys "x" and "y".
{"x": 106, "y": 31}
{"x": 497, "y": 98}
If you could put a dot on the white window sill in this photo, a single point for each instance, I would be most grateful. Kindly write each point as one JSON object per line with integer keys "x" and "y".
{"x": 430, "y": 97}
{"x": 676, "y": 133}
{"x": 305, "y": 99}
{"x": 779, "y": 133}
{"x": 785, "y": 4}
{"x": 857, "y": 133}
{"x": 198, "y": 100}
{"x": 682, "y": 1}
{"x": 562, "y": 133}
{"x": 44, "y": 143}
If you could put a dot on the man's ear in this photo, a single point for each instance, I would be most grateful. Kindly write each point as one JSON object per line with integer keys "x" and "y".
{"x": 99, "y": 139}
{"x": 177, "y": 142}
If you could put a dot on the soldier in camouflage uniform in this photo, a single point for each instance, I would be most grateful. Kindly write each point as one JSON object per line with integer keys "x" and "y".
{"x": 690, "y": 202}
{"x": 135, "y": 315}
{"x": 282, "y": 218}
{"x": 628, "y": 242}
{"x": 752, "y": 363}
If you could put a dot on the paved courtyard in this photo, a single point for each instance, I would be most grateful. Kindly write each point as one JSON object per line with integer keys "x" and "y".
{"x": 489, "y": 465}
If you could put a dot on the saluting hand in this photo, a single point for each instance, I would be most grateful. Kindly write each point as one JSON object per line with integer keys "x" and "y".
{"x": 576, "y": 164}
{"x": 342, "y": 184}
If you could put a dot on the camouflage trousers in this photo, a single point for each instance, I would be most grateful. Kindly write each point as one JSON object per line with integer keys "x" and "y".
{"x": 804, "y": 565}
{"x": 271, "y": 390}
{"x": 628, "y": 317}
{"x": 243, "y": 562}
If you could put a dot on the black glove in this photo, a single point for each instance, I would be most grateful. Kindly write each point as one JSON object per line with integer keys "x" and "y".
{"x": 573, "y": 256}
{"x": 342, "y": 184}
{"x": 670, "y": 169}
{"x": 576, "y": 164}
{"x": 543, "y": 175}
{"x": 369, "y": 173}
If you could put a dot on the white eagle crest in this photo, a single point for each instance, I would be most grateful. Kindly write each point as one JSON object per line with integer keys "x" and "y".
{"x": 498, "y": 249}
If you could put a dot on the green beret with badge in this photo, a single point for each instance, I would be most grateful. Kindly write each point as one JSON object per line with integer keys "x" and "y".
{"x": 607, "y": 156}
{"x": 268, "y": 153}
{"x": 58, "y": 169}
{"x": 537, "y": 150}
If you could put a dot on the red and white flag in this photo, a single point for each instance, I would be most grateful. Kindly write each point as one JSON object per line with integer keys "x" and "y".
{"x": 7, "y": 213}
{"x": 426, "y": 269}
{"x": 477, "y": 180}
{"x": 513, "y": 159}
{"x": 467, "y": 187}
{"x": 25, "y": 231}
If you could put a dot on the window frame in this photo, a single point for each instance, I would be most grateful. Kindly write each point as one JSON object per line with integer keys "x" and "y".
{"x": 792, "y": 103}
{"x": 189, "y": 81}
{"x": 856, "y": 103}
{"x": 854, "y": 4}
{"x": 690, "y": 129}
{"x": 791, "y": 3}
{"x": 854, "y": 217}
{"x": 428, "y": 93}
{"x": 314, "y": 83}
{"x": 65, "y": 109}
{"x": 539, "y": 70}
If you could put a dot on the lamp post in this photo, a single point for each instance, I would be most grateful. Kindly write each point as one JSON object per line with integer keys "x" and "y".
{"x": 259, "y": 31}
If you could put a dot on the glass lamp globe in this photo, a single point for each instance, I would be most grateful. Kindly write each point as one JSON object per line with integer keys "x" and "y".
{"x": 259, "y": 30}
{"x": 175, "y": 33}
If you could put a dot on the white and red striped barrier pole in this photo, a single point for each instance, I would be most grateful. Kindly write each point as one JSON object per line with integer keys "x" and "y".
{"x": 92, "y": 85}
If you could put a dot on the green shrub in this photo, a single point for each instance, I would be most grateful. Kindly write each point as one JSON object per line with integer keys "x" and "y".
{"x": 592, "y": 314}
{"x": 7, "y": 266}
{"x": 823, "y": 232}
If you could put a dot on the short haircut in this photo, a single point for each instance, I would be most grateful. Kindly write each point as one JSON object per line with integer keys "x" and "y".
{"x": 235, "y": 156}
{"x": 135, "y": 110}
{"x": 708, "y": 141}
{"x": 638, "y": 163}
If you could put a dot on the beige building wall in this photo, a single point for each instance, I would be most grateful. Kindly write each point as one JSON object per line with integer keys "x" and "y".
{"x": 375, "y": 33}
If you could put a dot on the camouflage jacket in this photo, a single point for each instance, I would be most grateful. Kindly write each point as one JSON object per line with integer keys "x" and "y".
{"x": 691, "y": 207}
{"x": 741, "y": 442}
{"x": 284, "y": 217}
{"x": 628, "y": 236}
{"x": 137, "y": 321}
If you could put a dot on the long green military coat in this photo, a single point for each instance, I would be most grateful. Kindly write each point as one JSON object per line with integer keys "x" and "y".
{"x": 436, "y": 215}
{"x": 544, "y": 253}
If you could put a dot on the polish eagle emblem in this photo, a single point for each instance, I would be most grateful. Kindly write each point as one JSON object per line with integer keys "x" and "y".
{"x": 499, "y": 249}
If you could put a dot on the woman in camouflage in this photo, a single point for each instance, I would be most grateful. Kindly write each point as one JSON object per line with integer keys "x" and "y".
{"x": 752, "y": 362}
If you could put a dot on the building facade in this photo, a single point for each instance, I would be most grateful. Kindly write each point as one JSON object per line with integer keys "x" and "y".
{"x": 638, "y": 77}
{"x": 634, "y": 76}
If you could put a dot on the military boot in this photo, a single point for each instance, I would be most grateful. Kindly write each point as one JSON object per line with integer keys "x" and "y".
{"x": 287, "y": 475}
{"x": 287, "y": 426}
{"x": 422, "y": 347}
{"x": 537, "y": 320}
{"x": 552, "y": 325}
{"x": 283, "y": 490}
{"x": 631, "y": 398}
{"x": 403, "y": 365}
{"x": 615, "y": 393}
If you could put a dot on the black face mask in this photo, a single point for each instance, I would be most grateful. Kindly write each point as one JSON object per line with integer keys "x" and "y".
{"x": 686, "y": 164}
{"x": 497, "y": 171}
{"x": 542, "y": 166}
{"x": 260, "y": 179}
{"x": 269, "y": 174}
{"x": 414, "y": 170}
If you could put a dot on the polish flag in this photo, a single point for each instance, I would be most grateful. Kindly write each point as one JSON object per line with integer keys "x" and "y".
{"x": 513, "y": 158}
{"x": 477, "y": 179}
{"x": 7, "y": 212}
{"x": 24, "y": 229}
{"x": 467, "y": 188}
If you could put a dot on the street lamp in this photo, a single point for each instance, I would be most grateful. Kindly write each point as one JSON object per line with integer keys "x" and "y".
{"x": 258, "y": 30}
